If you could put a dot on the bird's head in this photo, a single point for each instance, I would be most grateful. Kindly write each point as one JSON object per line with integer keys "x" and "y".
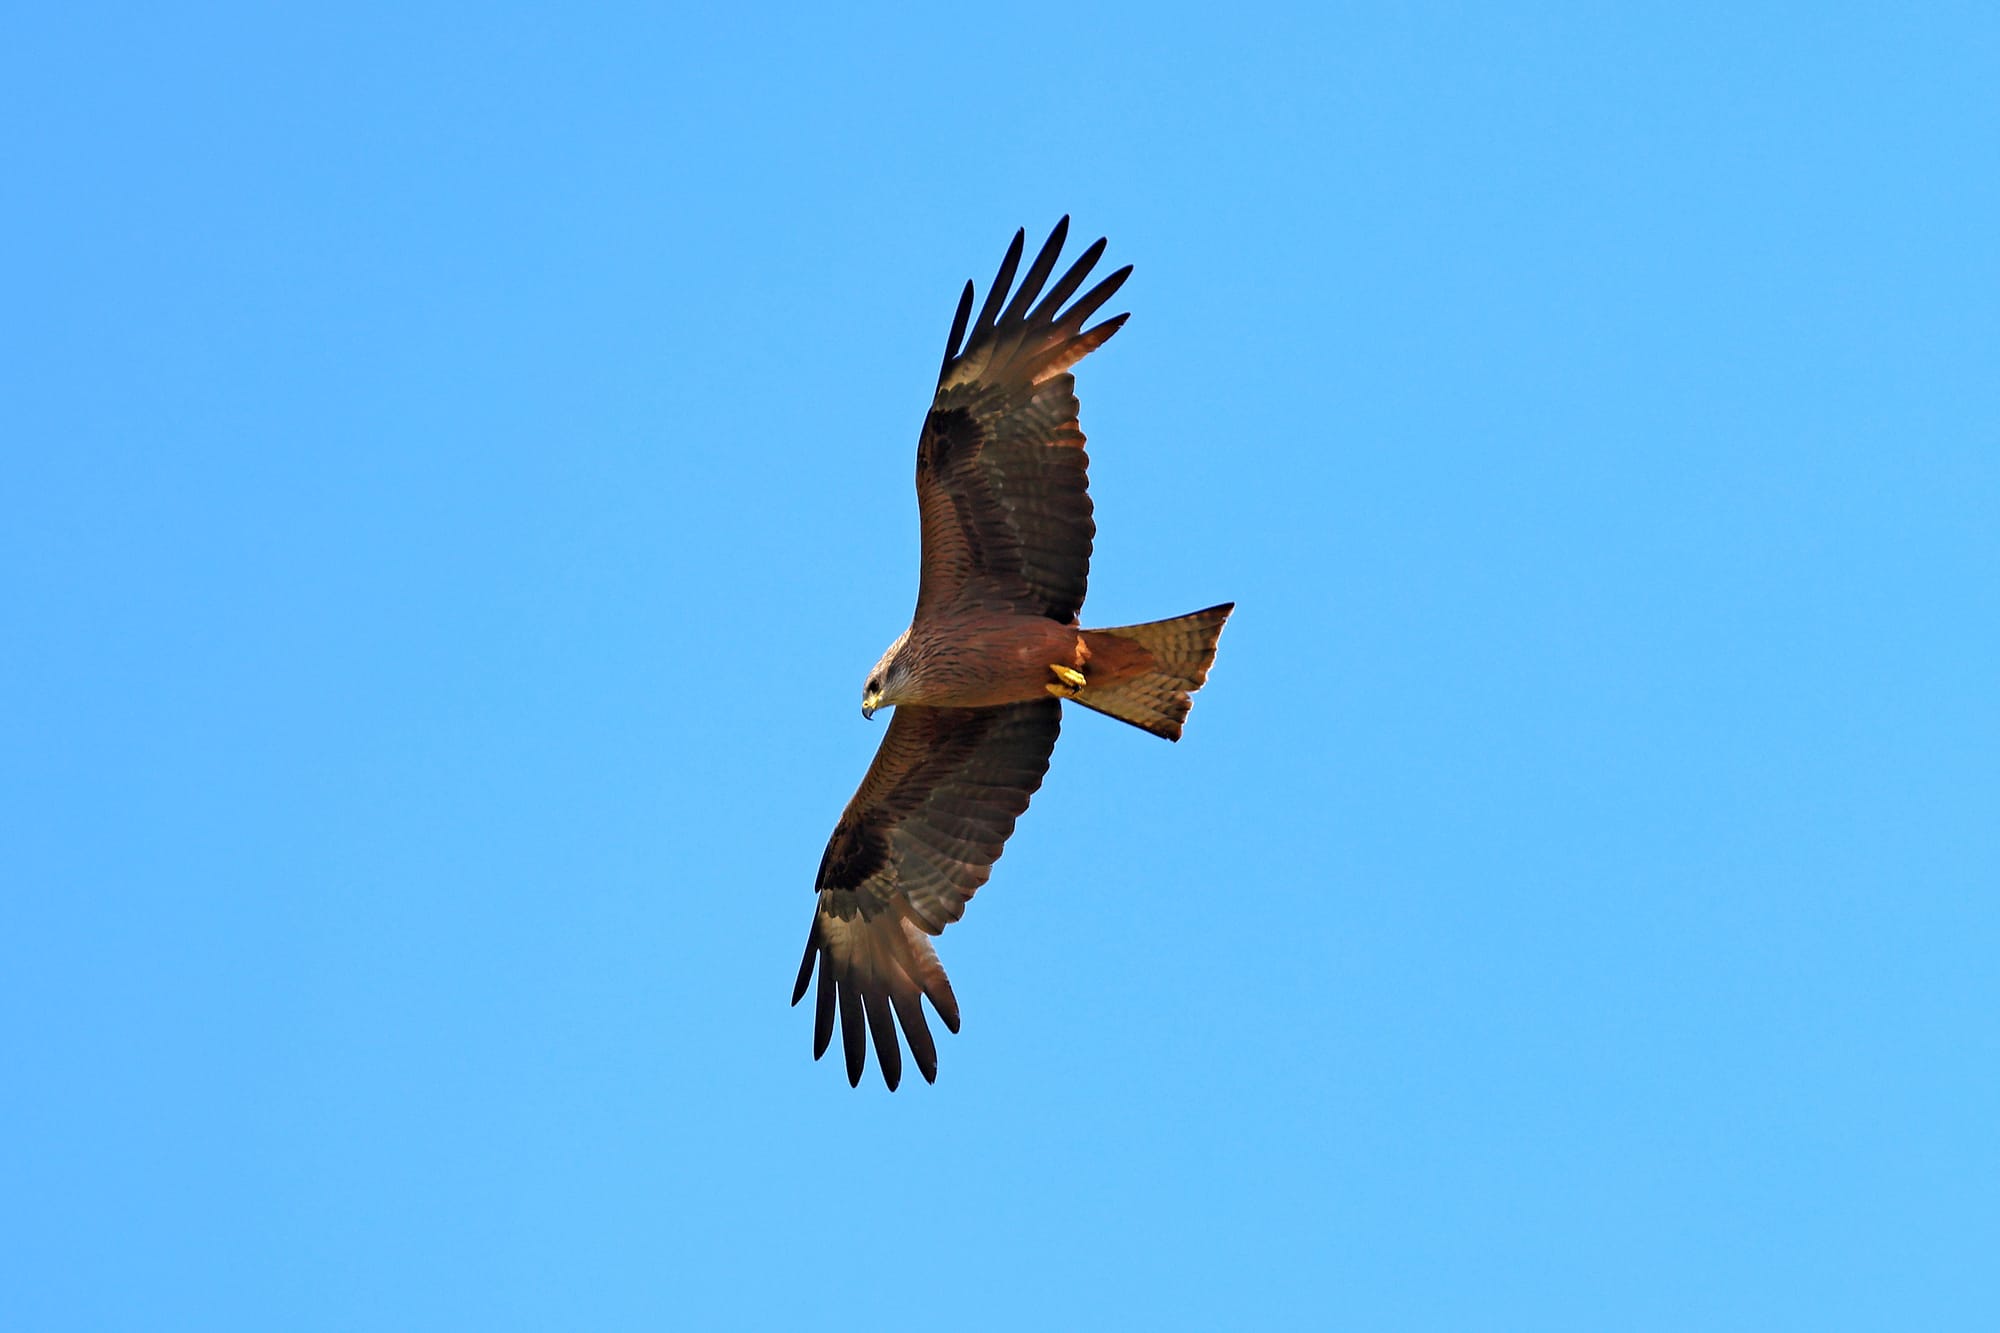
{"x": 884, "y": 685}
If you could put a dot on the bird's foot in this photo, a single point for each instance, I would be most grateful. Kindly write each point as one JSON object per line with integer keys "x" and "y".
{"x": 1068, "y": 682}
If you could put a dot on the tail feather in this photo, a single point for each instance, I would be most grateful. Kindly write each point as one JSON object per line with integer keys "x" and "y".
{"x": 1145, "y": 674}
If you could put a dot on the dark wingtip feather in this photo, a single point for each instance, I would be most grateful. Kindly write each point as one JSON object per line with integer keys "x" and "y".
{"x": 1001, "y": 282}
{"x": 1037, "y": 274}
{"x": 1099, "y": 334}
{"x": 806, "y": 965}
{"x": 1067, "y": 284}
{"x": 923, "y": 1049}
{"x": 948, "y": 1011}
{"x": 823, "y": 1011}
{"x": 1088, "y": 304}
{"x": 937, "y": 989}
{"x": 958, "y": 322}
{"x": 888, "y": 1055}
{"x": 853, "y": 1040}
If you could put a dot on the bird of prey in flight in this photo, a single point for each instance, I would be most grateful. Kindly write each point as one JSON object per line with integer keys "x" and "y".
{"x": 978, "y": 679}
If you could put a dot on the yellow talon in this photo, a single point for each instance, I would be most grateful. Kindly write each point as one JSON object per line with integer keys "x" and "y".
{"x": 1068, "y": 681}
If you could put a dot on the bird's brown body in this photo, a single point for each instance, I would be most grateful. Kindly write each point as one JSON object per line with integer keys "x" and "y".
{"x": 1006, "y": 659}
{"x": 980, "y": 661}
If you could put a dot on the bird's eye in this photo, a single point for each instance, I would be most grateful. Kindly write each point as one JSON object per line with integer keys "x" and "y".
{"x": 874, "y": 685}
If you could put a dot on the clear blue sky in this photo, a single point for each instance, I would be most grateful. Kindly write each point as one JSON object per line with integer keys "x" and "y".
{"x": 458, "y": 474}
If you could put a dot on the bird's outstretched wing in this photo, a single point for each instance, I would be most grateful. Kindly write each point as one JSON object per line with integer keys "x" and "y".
{"x": 912, "y": 847}
{"x": 1002, "y": 482}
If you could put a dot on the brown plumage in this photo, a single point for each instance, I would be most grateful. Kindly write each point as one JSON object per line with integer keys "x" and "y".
{"x": 976, "y": 681}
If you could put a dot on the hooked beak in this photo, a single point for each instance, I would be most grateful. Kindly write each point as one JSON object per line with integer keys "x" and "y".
{"x": 869, "y": 703}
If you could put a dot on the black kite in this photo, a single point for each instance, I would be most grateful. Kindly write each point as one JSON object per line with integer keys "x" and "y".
{"x": 994, "y": 647}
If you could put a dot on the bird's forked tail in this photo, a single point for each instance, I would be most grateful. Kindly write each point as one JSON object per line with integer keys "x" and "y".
{"x": 1144, "y": 674}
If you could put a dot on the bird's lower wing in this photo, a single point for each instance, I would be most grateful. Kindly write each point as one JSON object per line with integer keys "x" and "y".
{"x": 916, "y": 842}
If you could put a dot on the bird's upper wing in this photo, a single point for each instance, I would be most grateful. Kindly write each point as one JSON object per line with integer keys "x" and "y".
{"x": 1002, "y": 486}
{"x": 912, "y": 847}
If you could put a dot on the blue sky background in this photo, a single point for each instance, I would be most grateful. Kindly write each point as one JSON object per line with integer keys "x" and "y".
{"x": 458, "y": 476}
